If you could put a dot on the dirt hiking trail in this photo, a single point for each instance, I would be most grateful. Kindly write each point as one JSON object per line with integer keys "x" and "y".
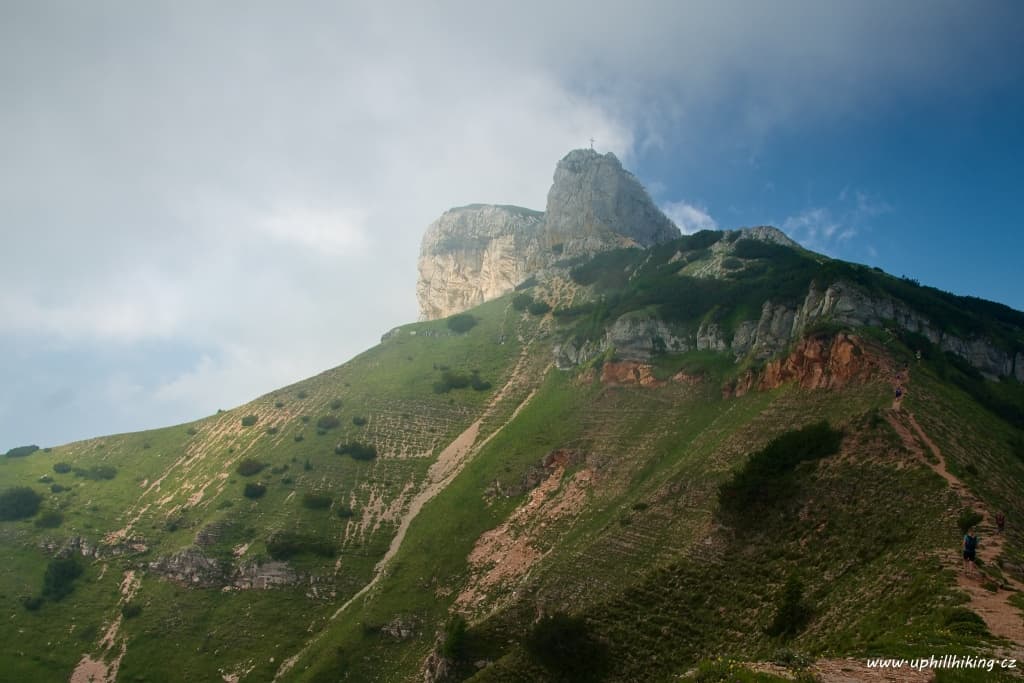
{"x": 1002, "y": 618}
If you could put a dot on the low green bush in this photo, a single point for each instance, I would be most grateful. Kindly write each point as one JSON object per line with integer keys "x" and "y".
{"x": 564, "y": 645}
{"x": 50, "y": 520}
{"x": 461, "y": 322}
{"x": 356, "y": 450}
{"x": 343, "y": 511}
{"x": 521, "y": 302}
{"x": 283, "y": 545}
{"x": 61, "y": 467}
{"x": 250, "y": 420}
{"x": 538, "y": 308}
{"x": 327, "y": 422}
{"x": 96, "y": 472}
{"x": 249, "y": 467}
{"x": 131, "y": 610}
{"x": 793, "y": 613}
{"x": 32, "y": 602}
{"x": 968, "y": 518}
{"x": 359, "y": 421}
{"x": 254, "y": 490}
{"x": 316, "y": 501}
{"x": 336, "y": 404}
{"x": 19, "y": 502}
{"x": 59, "y": 579}
{"x": 22, "y": 451}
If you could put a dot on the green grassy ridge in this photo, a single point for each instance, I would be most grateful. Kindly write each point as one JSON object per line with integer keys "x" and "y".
{"x": 391, "y": 385}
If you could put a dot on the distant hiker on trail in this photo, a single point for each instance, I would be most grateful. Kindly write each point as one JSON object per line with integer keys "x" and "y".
{"x": 918, "y": 354}
{"x": 899, "y": 393}
{"x": 970, "y": 549}
{"x": 1000, "y": 522}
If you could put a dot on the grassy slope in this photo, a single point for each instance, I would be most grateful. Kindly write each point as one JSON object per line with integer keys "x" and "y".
{"x": 390, "y": 385}
{"x": 863, "y": 535}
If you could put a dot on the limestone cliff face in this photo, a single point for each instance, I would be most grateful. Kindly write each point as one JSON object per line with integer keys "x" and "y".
{"x": 476, "y": 253}
{"x": 596, "y": 204}
{"x": 638, "y": 337}
{"x": 480, "y": 252}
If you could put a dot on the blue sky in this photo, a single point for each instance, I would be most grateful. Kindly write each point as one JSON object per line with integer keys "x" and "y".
{"x": 200, "y": 203}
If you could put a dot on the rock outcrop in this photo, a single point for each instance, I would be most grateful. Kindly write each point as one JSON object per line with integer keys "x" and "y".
{"x": 479, "y": 252}
{"x": 476, "y": 253}
{"x": 639, "y": 336}
{"x": 595, "y": 204}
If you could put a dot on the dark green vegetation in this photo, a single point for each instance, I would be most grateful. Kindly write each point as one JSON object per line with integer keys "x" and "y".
{"x": 356, "y": 450}
{"x": 19, "y": 502}
{"x": 22, "y": 451}
{"x": 653, "y": 525}
{"x": 254, "y": 490}
{"x": 59, "y": 580}
{"x": 250, "y": 467}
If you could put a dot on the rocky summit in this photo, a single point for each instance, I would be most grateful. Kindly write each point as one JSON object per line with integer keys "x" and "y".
{"x": 476, "y": 253}
{"x": 633, "y": 455}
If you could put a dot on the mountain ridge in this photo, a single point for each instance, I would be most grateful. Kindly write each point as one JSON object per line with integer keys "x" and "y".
{"x": 564, "y": 458}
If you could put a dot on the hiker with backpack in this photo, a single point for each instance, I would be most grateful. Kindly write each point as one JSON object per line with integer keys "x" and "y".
{"x": 1000, "y": 522}
{"x": 970, "y": 551}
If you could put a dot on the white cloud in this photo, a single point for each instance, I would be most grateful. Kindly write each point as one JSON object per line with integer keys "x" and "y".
{"x": 253, "y": 185}
{"x": 689, "y": 218}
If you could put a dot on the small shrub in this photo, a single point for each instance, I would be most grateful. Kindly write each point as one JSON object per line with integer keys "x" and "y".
{"x": 131, "y": 610}
{"x": 356, "y": 450}
{"x": 344, "y": 511}
{"x": 963, "y": 622}
{"x": 32, "y": 602}
{"x": 61, "y": 467}
{"x": 57, "y": 488}
{"x": 302, "y": 394}
{"x": 327, "y": 422}
{"x": 316, "y": 501}
{"x": 308, "y": 466}
{"x": 250, "y": 420}
{"x": 336, "y": 404}
{"x": 298, "y": 437}
{"x": 272, "y": 430}
{"x": 461, "y": 322}
{"x": 191, "y": 431}
{"x": 59, "y": 580}
{"x": 521, "y": 302}
{"x": 731, "y": 263}
{"x": 279, "y": 404}
{"x": 96, "y": 472}
{"x": 249, "y": 467}
{"x": 454, "y": 644}
{"x": 793, "y": 613}
{"x": 478, "y": 383}
{"x": 359, "y": 421}
{"x": 971, "y": 469}
{"x": 563, "y": 645}
{"x": 538, "y": 308}
{"x": 305, "y": 419}
{"x": 280, "y": 469}
{"x": 283, "y": 545}
{"x": 968, "y": 518}
{"x": 22, "y": 451}
{"x": 254, "y": 490}
{"x": 19, "y": 502}
{"x": 50, "y": 520}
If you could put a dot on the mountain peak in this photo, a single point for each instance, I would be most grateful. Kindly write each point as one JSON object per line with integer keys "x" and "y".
{"x": 594, "y": 201}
